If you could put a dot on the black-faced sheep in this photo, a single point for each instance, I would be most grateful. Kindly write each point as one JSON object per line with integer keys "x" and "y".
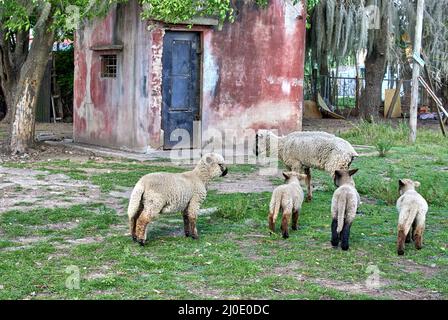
{"x": 301, "y": 151}
{"x": 157, "y": 193}
{"x": 412, "y": 209}
{"x": 344, "y": 205}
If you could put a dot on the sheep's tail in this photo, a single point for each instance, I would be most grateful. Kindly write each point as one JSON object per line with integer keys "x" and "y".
{"x": 342, "y": 203}
{"x": 275, "y": 206}
{"x": 408, "y": 218}
{"x": 135, "y": 200}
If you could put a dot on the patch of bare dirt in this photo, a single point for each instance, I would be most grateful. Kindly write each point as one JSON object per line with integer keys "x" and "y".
{"x": 100, "y": 272}
{"x": 57, "y": 226}
{"x": 243, "y": 183}
{"x": 71, "y": 242}
{"x": 25, "y": 189}
{"x": 359, "y": 288}
{"x": 295, "y": 269}
{"x": 291, "y": 269}
{"x": 247, "y": 248}
{"x": 327, "y": 125}
{"x": 368, "y": 200}
{"x": 29, "y": 240}
{"x": 25, "y": 242}
{"x": 22, "y": 188}
{"x": 409, "y": 266}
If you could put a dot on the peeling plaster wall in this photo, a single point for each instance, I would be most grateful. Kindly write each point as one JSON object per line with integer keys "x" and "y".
{"x": 252, "y": 75}
{"x": 115, "y": 112}
{"x": 253, "y": 70}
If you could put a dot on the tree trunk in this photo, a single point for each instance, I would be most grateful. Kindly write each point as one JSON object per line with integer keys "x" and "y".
{"x": 375, "y": 64}
{"x": 371, "y": 95}
{"x": 8, "y": 77}
{"x": 22, "y": 127}
{"x": 14, "y": 50}
{"x": 25, "y": 94}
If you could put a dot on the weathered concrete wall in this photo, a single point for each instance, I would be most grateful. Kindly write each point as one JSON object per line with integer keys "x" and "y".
{"x": 252, "y": 76}
{"x": 253, "y": 70}
{"x": 115, "y": 112}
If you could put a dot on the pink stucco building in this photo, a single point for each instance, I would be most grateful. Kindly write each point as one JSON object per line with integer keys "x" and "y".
{"x": 138, "y": 81}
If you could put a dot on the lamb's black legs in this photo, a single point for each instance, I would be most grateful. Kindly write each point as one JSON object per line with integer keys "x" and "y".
{"x": 345, "y": 236}
{"x": 334, "y": 233}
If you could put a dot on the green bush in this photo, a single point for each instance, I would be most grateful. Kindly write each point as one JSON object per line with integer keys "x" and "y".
{"x": 383, "y": 146}
{"x": 238, "y": 206}
{"x": 383, "y": 136}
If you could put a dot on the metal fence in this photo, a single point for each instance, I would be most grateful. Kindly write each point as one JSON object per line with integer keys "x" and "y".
{"x": 344, "y": 92}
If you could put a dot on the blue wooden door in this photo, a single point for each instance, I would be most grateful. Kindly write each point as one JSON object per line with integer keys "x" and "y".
{"x": 180, "y": 88}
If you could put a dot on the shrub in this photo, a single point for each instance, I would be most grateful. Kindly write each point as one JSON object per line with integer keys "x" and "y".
{"x": 383, "y": 146}
{"x": 379, "y": 134}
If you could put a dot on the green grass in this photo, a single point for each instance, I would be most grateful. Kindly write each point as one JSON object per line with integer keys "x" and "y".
{"x": 365, "y": 133}
{"x": 235, "y": 257}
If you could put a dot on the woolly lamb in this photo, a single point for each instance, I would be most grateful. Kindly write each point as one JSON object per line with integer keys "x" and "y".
{"x": 289, "y": 198}
{"x": 344, "y": 204}
{"x": 301, "y": 151}
{"x": 157, "y": 193}
{"x": 412, "y": 209}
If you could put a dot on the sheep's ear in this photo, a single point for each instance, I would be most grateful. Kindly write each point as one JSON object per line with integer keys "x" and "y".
{"x": 401, "y": 183}
{"x": 302, "y": 176}
{"x": 416, "y": 184}
{"x": 336, "y": 177}
{"x": 352, "y": 171}
{"x": 286, "y": 175}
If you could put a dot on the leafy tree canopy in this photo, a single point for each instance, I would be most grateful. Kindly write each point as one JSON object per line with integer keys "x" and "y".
{"x": 20, "y": 15}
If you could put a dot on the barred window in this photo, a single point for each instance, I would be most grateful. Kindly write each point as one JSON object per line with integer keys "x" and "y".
{"x": 109, "y": 66}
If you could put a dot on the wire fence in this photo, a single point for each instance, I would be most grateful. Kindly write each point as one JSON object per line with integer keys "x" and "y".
{"x": 344, "y": 92}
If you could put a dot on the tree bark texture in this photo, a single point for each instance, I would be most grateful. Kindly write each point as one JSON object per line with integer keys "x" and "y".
{"x": 375, "y": 64}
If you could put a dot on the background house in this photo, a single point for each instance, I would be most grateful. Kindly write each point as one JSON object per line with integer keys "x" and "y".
{"x": 136, "y": 81}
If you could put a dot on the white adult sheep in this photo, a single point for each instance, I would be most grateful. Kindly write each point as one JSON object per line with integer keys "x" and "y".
{"x": 164, "y": 192}
{"x": 302, "y": 150}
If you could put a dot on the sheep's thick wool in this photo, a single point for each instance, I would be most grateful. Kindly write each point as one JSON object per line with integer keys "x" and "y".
{"x": 163, "y": 192}
{"x": 301, "y": 151}
{"x": 288, "y": 198}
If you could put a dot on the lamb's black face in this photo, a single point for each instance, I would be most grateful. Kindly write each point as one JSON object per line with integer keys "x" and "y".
{"x": 223, "y": 170}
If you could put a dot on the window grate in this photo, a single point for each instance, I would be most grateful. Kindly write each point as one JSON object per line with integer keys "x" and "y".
{"x": 109, "y": 66}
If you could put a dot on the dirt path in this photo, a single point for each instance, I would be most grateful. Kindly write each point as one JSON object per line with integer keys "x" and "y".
{"x": 243, "y": 183}
{"x": 25, "y": 189}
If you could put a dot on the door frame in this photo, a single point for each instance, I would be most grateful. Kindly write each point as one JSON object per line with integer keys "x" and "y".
{"x": 197, "y": 140}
